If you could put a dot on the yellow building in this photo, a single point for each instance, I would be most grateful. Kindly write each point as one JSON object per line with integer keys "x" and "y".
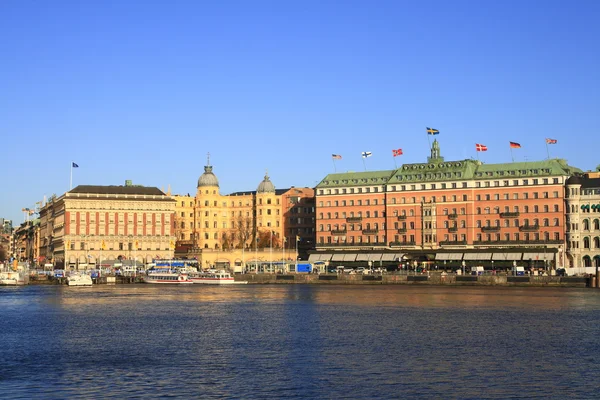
{"x": 212, "y": 222}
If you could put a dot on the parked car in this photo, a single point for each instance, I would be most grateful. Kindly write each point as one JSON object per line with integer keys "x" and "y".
{"x": 362, "y": 270}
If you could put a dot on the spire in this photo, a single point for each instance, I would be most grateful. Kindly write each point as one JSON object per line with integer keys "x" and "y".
{"x": 208, "y": 158}
{"x": 435, "y": 153}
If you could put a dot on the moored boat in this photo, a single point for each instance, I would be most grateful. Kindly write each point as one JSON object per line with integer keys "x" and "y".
{"x": 13, "y": 278}
{"x": 78, "y": 279}
{"x": 215, "y": 278}
{"x": 166, "y": 277}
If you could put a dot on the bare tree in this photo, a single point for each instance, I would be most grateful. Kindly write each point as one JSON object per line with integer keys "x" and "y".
{"x": 242, "y": 230}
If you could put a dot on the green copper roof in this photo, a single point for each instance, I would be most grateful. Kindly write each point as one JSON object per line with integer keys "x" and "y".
{"x": 356, "y": 179}
{"x": 451, "y": 170}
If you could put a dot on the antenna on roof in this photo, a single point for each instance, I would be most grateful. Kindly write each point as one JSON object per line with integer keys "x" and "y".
{"x": 208, "y": 158}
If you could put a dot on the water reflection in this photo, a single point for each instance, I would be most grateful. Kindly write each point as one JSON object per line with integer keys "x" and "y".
{"x": 320, "y": 341}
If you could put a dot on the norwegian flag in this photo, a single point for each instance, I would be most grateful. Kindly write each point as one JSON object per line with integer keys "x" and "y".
{"x": 480, "y": 147}
{"x": 397, "y": 152}
{"x": 551, "y": 141}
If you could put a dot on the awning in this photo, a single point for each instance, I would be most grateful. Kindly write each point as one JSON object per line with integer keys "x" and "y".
{"x": 325, "y": 257}
{"x": 337, "y": 257}
{"x": 375, "y": 257}
{"x": 455, "y": 256}
{"x": 388, "y": 257}
{"x": 313, "y": 257}
{"x": 478, "y": 256}
{"x": 506, "y": 256}
{"x": 441, "y": 256}
{"x": 362, "y": 257}
{"x": 349, "y": 257}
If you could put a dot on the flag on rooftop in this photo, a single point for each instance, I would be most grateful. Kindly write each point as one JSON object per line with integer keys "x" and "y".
{"x": 397, "y": 152}
{"x": 366, "y": 154}
{"x": 515, "y": 145}
{"x": 336, "y": 156}
{"x": 75, "y": 165}
{"x": 480, "y": 147}
{"x": 431, "y": 131}
{"x": 551, "y": 141}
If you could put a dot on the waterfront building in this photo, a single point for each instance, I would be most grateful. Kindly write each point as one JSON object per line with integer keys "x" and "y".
{"x": 92, "y": 225}
{"x": 457, "y": 212}
{"x": 583, "y": 220}
{"x": 217, "y": 228}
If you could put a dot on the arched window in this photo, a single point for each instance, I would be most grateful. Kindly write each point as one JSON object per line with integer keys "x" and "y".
{"x": 555, "y": 222}
{"x": 596, "y": 224}
{"x": 586, "y": 242}
{"x": 546, "y": 222}
{"x": 478, "y": 210}
{"x": 596, "y": 242}
{"x": 586, "y": 225}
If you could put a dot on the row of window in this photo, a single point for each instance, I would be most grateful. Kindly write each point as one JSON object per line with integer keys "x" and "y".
{"x": 441, "y": 199}
{"x": 447, "y": 225}
{"x": 410, "y": 239}
{"x": 443, "y": 185}
{"x": 427, "y": 212}
{"x": 588, "y": 243}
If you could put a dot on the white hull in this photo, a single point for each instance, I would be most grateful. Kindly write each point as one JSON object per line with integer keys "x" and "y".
{"x": 79, "y": 280}
{"x": 12, "y": 279}
{"x": 216, "y": 278}
{"x": 167, "y": 279}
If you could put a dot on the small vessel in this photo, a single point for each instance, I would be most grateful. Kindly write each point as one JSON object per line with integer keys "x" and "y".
{"x": 77, "y": 279}
{"x": 166, "y": 277}
{"x": 13, "y": 278}
{"x": 215, "y": 278}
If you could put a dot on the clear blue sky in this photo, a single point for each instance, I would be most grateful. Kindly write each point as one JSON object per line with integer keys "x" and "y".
{"x": 142, "y": 90}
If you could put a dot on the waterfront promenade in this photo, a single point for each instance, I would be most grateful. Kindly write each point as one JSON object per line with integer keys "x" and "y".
{"x": 433, "y": 278}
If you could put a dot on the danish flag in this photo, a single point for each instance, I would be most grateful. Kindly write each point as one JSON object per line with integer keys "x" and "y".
{"x": 397, "y": 152}
{"x": 480, "y": 147}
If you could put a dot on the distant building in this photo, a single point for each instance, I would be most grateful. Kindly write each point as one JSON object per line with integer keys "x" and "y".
{"x": 583, "y": 220}
{"x": 445, "y": 212}
{"x": 6, "y": 226}
{"x": 89, "y": 225}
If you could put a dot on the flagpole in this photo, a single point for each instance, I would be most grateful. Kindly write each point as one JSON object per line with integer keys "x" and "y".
{"x": 511, "y": 155}
{"x": 547, "y": 150}
{"x": 334, "y": 168}
{"x": 429, "y": 141}
{"x": 395, "y": 165}
{"x": 364, "y": 163}
{"x": 71, "y": 178}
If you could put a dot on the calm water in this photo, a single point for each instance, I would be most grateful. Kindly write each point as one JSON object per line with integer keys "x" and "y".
{"x": 286, "y": 341}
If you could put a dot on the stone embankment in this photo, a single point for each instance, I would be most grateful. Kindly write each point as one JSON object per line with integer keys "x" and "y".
{"x": 423, "y": 279}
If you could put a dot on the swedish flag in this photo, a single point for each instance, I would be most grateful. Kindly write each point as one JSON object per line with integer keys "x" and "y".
{"x": 431, "y": 131}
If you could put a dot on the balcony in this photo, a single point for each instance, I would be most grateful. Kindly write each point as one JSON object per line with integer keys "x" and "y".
{"x": 353, "y": 219}
{"x": 370, "y": 231}
{"x": 453, "y": 229}
{"x": 401, "y": 217}
{"x": 529, "y": 228}
{"x": 402, "y": 244}
{"x": 490, "y": 229}
{"x": 452, "y": 216}
{"x": 402, "y": 230}
{"x": 453, "y": 243}
{"x": 339, "y": 232}
{"x": 362, "y": 245}
{"x": 509, "y": 214}
{"x": 516, "y": 242}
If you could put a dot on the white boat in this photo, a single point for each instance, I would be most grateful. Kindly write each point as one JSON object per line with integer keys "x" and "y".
{"x": 77, "y": 279}
{"x": 13, "y": 278}
{"x": 167, "y": 277}
{"x": 215, "y": 278}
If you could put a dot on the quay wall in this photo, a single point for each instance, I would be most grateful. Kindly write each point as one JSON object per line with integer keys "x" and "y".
{"x": 433, "y": 279}
{"x": 385, "y": 279}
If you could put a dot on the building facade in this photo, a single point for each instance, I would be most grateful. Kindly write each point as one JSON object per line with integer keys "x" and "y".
{"x": 265, "y": 218}
{"x": 93, "y": 225}
{"x": 446, "y": 211}
{"x": 583, "y": 220}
